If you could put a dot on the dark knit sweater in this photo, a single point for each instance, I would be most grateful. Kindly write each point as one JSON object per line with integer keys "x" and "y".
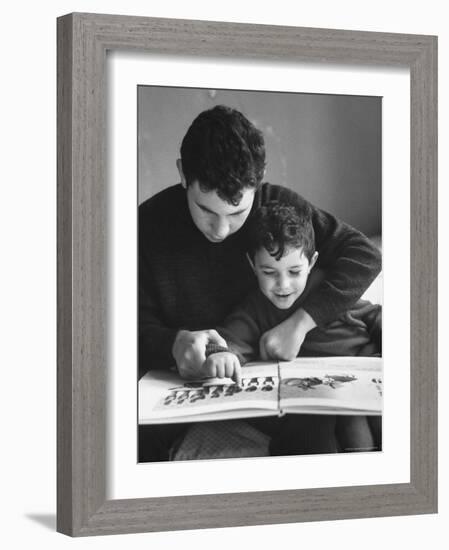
{"x": 187, "y": 282}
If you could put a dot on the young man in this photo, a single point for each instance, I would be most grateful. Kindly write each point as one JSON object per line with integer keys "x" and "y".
{"x": 193, "y": 269}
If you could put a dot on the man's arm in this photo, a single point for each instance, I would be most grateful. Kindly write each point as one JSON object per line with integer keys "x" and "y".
{"x": 161, "y": 347}
{"x": 189, "y": 351}
{"x": 155, "y": 339}
{"x": 351, "y": 262}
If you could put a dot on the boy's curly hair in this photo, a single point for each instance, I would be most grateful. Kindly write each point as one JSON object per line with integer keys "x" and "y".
{"x": 225, "y": 152}
{"x": 278, "y": 227}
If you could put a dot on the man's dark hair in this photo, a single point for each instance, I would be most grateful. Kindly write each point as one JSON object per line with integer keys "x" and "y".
{"x": 225, "y": 152}
{"x": 278, "y": 227}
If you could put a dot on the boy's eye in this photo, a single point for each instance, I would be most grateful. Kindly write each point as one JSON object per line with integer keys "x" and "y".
{"x": 295, "y": 273}
{"x": 268, "y": 273}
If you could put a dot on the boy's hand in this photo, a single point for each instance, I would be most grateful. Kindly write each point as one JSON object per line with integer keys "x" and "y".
{"x": 284, "y": 341}
{"x": 189, "y": 351}
{"x": 223, "y": 365}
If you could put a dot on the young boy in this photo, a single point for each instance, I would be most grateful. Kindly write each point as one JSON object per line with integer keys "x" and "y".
{"x": 282, "y": 253}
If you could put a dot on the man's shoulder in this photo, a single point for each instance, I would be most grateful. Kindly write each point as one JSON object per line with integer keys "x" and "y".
{"x": 268, "y": 192}
{"x": 163, "y": 217}
{"x": 167, "y": 198}
{"x": 169, "y": 206}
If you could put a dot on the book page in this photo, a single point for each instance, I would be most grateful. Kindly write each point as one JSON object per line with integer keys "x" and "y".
{"x": 164, "y": 397}
{"x": 332, "y": 385}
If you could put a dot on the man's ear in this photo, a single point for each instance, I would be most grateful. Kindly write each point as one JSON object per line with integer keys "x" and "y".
{"x": 181, "y": 173}
{"x": 313, "y": 260}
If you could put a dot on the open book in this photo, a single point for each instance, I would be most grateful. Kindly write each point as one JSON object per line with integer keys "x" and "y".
{"x": 316, "y": 385}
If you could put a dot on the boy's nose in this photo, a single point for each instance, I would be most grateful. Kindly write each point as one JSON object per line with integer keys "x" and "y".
{"x": 282, "y": 283}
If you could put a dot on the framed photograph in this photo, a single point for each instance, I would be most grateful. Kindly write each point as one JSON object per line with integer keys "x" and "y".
{"x": 349, "y": 121}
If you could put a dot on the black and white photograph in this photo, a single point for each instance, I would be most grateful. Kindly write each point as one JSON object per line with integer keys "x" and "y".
{"x": 259, "y": 274}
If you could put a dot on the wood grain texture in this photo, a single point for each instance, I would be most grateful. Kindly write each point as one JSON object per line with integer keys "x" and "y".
{"x": 424, "y": 251}
{"x": 64, "y": 278}
{"x": 83, "y": 40}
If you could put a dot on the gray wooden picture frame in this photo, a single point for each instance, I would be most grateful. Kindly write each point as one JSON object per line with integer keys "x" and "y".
{"x": 83, "y": 40}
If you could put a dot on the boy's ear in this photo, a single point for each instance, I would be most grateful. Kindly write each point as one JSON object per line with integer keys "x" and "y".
{"x": 251, "y": 263}
{"x": 181, "y": 173}
{"x": 313, "y": 260}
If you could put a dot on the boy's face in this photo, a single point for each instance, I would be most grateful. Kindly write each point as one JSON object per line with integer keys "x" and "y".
{"x": 283, "y": 281}
{"x": 214, "y": 217}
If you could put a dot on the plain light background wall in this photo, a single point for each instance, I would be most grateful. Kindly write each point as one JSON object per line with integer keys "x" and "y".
{"x": 325, "y": 147}
{"x": 28, "y": 274}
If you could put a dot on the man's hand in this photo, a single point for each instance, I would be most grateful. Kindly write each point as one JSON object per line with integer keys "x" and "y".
{"x": 189, "y": 351}
{"x": 284, "y": 341}
{"x": 224, "y": 365}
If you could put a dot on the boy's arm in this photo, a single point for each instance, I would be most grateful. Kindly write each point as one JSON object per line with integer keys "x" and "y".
{"x": 241, "y": 331}
{"x": 285, "y": 339}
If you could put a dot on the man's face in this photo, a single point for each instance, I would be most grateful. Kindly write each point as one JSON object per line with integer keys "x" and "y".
{"x": 282, "y": 281}
{"x": 214, "y": 217}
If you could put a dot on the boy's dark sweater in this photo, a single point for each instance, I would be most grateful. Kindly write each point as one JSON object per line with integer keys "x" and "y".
{"x": 187, "y": 282}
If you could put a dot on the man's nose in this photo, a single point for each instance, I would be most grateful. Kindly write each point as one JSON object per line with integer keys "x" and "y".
{"x": 221, "y": 229}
